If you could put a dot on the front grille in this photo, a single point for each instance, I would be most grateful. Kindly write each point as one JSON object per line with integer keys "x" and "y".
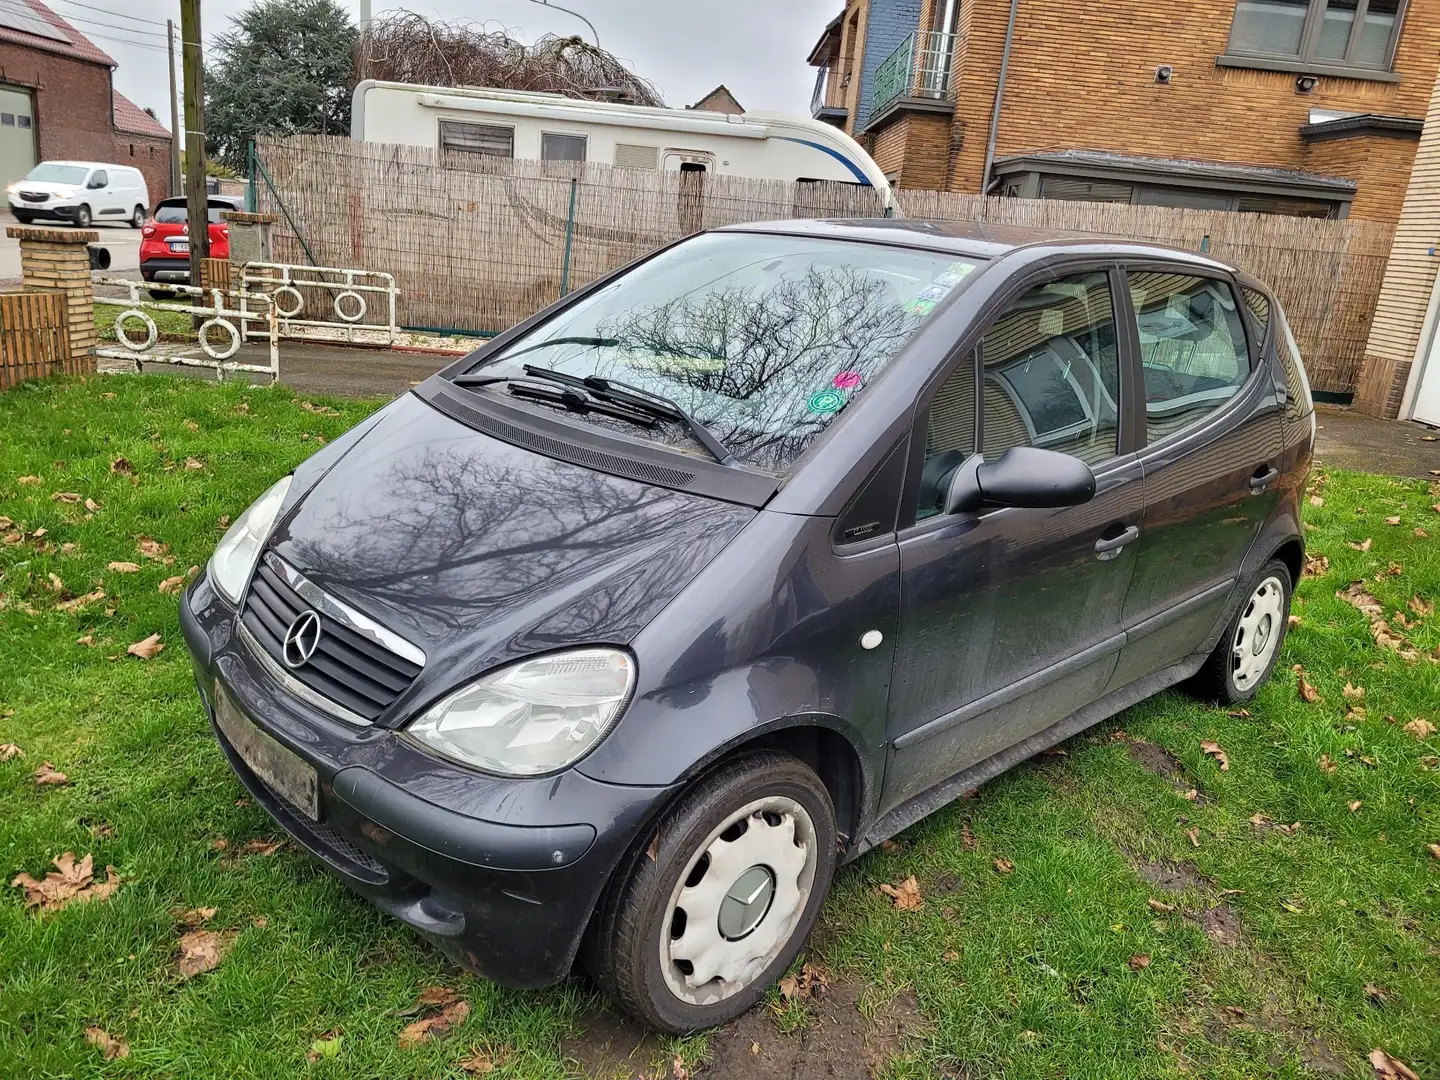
{"x": 34, "y": 196}
{"x": 348, "y": 668}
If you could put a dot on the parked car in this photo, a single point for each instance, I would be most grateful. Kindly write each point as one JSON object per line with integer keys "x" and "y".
{"x": 165, "y": 242}
{"x": 82, "y": 192}
{"x": 615, "y": 637}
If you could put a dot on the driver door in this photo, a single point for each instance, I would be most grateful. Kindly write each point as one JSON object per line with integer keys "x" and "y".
{"x": 1010, "y": 618}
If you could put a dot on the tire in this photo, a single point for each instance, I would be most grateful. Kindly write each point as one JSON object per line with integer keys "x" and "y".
{"x": 137, "y": 217}
{"x": 641, "y": 927}
{"x": 82, "y": 217}
{"x": 1250, "y": 646}
{"x": 161, "y": 294}
{"x": 22, "y": 217}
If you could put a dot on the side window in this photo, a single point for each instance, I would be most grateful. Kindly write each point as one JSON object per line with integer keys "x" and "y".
{"x": 1052, "y": 371}
{"x": 555, "y": 147}
{"x": 949, "y": 438}
{"x": 1192, "y": 347}
{"x": 494, "y": 140}
{"x": 98, "y": 179}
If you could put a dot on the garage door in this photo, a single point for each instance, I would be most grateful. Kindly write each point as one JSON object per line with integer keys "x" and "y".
{"x": 17, "y": 134}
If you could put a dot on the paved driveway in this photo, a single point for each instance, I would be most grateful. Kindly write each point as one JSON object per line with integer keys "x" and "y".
{"x": 122, "y": 241}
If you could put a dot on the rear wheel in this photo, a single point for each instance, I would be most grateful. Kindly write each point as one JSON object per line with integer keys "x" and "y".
{"x": 137, "y": 217}
{"x": 1250, "y": 646}
{"x": 82, "y": 217}
{"x": 697, "y": 926}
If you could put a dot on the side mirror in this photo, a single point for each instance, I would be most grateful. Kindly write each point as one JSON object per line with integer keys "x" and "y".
{"x": 1022, "y": 476}
{"x": 95, "y": 185}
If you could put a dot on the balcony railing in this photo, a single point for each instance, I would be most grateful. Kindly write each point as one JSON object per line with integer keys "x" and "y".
{"x": 918, "y": 67}
{"x": 829, "y": 92}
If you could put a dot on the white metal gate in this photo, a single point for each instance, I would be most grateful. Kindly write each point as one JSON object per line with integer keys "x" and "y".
{"x": 362, "y": 302}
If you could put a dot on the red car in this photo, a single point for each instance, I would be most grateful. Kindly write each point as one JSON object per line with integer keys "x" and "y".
{"x": 165, "y": 240}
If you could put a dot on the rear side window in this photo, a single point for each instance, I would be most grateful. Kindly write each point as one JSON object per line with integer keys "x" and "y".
{"x": 494, "y": 140}
{"x": 174, "y": 212}
{"x": 1193, "y": 348}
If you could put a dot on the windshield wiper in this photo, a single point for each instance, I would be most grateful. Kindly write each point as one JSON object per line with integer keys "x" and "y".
{"x": 481, "y": 379}
{"x": 666, "y": 408}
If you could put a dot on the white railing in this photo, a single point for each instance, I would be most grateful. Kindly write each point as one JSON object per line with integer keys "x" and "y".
{"x": 353, "y": 295}
{"x": 238, "y": 316}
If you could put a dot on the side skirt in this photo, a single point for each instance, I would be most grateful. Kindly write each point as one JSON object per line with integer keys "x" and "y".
{"x": 947, "y": 791}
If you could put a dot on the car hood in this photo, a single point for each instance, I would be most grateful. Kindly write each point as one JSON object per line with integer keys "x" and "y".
{"x": 50, "y": 187}
{"x": 479, "y": 551}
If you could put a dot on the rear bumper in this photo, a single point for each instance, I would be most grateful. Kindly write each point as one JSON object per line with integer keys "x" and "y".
{"x": 174, "y": 271}
{"x": 501, "y": 875}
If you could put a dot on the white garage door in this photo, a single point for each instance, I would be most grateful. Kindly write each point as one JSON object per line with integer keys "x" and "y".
{"x": 17, "y": 134}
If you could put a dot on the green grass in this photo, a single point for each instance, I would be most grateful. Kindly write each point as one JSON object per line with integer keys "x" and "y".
{"x": 1023, "y": 974}
{"x": 173, "y": 323}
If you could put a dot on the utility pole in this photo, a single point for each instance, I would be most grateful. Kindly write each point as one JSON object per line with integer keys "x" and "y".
{"x": 364, "y": 15}
{"x": 195, "y": 197}
{"x": 175, "y": 178}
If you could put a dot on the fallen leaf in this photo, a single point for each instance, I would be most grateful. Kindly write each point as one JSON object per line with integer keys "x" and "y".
{"x": 1420, "y": 606}
{"x": 146, "y": 649}
{"x": 1394, "y": 569}
{"x": 1288, "y": 830}
{"x": 194, "y": 463}
{"x": 79, "y": 602}
{"x": 435, "y": 1027}
{"x": 1378, "y": 994}
{"x": 124, "y": 567}
{"x": 1363, "y": 545}
{"x": 219, "y": 843}
{"x": 1317, "y": 565}
{"x": 1384, "y": 637}
{"x": 198, "y": 916}
{"x": 122, "y": 466}
{"x": 109, "y": 1046}
{"x": 1352, "y": 692}
{"x": 172, "y": 584}
{"x": 1393, "y": 520}
{"x": 66, "y": 496}
{"x": 55, "y": 585}
{"x": 1194, "y": 835}
{"x": 200, "y": 951}
{"x": 1308, "y": 693}
{"x": 1191, "y": 795}
{"x": 48, "y": 774}
{"x": 1421, "y": 534}
{"x": 87, "y": 639}
{"x": 68, "y": 882}
{"x": 432, "y": 997}
{"x": 92, "y": 506}
{"x": 1354, "y": 806}
{"x": 1390, "y": 1068}
{"x": 1260, "y": 819}
{"x": 325, "y": 1048}
{"x": 1316, "y": 500}
{"x": 1244, "y": 714}
{"x": 10, "y": 750}
{"x": 1213, "y": 749}
{"x": 6, "y": 523}
{"x": 906, "y": 895}
{"x": 151, "y": 549}
{"x": 1160, "y": 905}
{"x": 1004, "y": 866}
{"x": 190, "y": 425}
{"x": 262, "y": 847}
{"x": 1292, "y": 621}
{"x": 967, "y": 838}
{"x": 889, "y": 846}
{"x": 1434, "y": 850}
{"x": 28, "y": 481}
{"x": 809, "y": 981}
{"x": 243, "y": 407}
{"x": 950, "y": 956}
{"x": 1139, "y": 962}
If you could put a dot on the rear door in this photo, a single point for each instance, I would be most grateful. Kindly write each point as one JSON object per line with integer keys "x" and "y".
{"x": 1010, "y": 618}
{"x": 1212, "y": 455}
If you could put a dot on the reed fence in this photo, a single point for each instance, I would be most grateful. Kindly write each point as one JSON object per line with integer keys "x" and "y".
{"x": 479, "y": 243}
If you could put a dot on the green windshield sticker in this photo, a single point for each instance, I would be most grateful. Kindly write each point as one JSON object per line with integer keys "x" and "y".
{"x": 920, "y": 306}
{"x": 826, "y": 402}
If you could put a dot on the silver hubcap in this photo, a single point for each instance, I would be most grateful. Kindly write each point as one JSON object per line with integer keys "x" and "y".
{"x": 1258, "y": 634}
{"x": 739, "y": 901}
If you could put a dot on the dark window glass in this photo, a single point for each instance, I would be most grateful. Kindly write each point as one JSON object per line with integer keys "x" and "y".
{"x": 1352, "y": 33}
{"x": 1052, "y": 371}
{"x": 23, "y": 121}
{"x": 1192, "y": 347}
{"x": 1269, "y": 27}
{"x": 462, "y": 137}
{"x": 174, "y": 212}
{"x": 7, "y": 119}
{"x": 1268, "y": 204}
{"x": 949, "y": 438}
{"x": 1298, "y": 401}
{"x": 1076, "y": 190}
{"x": 562, "y": 147}
{"x": 98, "y": 179}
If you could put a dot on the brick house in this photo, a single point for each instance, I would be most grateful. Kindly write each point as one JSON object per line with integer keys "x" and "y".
{"x": 1308, "y": 107}
{"x": 57, "y": 101}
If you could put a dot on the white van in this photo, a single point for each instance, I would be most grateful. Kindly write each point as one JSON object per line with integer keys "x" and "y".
{"x": 85, "y": 192}
{"x": 551, "y": 127}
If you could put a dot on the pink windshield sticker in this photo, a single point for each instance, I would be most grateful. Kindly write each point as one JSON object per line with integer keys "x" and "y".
{"x": 847, "y": 380}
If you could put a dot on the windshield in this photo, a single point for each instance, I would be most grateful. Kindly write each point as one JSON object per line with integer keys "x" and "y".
{"x": 47, "y": 173}
{"x": 762, "y": 338}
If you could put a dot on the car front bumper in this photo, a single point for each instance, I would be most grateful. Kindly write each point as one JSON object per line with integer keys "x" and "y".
{"x": 502, "y": 875}
{"x": 44, "y": 210}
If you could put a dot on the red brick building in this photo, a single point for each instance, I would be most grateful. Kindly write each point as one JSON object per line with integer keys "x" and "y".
{"x": 57, "y": 101}
{"x": 1310, "y": 107}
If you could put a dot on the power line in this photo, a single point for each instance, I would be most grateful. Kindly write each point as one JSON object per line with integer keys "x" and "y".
{"x": 107, "y": 11}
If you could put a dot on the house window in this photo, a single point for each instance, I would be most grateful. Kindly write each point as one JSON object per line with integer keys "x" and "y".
{"x": 132, "y": 149}
{"x": 561, "y": 147}
{"x": 23, "y": 121}
{"x": 494, "y": 140}
{"x": 1326, "y": 33}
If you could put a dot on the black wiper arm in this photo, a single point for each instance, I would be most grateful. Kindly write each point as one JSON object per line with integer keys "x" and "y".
{"x": 481, "y": 379}
{"x": 623, "y": 393}
{"x": 576, "y": 400}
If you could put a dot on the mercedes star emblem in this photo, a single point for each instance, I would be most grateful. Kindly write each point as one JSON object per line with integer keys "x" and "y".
{"x": 302, "y": 638}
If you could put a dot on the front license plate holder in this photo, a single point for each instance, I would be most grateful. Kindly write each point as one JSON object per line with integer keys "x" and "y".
{"x": 279, "y": 769}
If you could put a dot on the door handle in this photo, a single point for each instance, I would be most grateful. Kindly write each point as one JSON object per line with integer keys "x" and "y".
{"x": 1261, "y": 480}
{"x": 1104, "y": 546}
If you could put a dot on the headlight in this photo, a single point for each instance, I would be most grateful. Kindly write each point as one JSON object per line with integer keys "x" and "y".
{"x": 532, "y": 717}
{"x": 10, "y": 189}
{"x": 63, "y": 193}
{"x": 238, "y": 549}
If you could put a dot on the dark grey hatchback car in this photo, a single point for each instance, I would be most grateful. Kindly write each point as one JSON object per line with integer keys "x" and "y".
{"x": 611, "y": 640}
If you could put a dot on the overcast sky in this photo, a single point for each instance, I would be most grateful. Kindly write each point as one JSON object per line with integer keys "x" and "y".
{"x": 755, "y": 47}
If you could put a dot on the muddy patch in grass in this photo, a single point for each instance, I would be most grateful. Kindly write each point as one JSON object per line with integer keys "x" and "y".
{"x": 1172, "y": 877}
{"x": 1312, "y": 1051}
{"x": 614, "y": 1047}
{"x": 1221, "y": 924}
{"x": 1156, "y": 759}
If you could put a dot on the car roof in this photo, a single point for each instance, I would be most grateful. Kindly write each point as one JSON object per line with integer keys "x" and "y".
{"x": 85, "y": 164}
{"x": 977, "y": 239}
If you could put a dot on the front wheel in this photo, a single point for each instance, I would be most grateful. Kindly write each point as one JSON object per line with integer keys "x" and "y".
{"x": 696, "y": 926}
{"x": 82, "y": 217}
{"x": 1250, "y": 646}
{"x": 137, "y": 217}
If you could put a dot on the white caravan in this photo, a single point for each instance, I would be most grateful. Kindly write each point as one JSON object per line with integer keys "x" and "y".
{"x": 550, "y": 127}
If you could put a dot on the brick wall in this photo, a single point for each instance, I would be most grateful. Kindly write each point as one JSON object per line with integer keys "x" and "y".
{"x": 151, "y": 156}
{"x": 1082, "y": 76}
{"x": 72, "y": 102}
{"x": 916, "y": 147}
{"x": 888, "y": 23}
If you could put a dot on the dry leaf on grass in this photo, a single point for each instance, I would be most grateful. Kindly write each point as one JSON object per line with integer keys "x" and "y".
{"x": 27, "y": 481}
{"x": 147, "y": 649}
{"x": 109, "y": 1046}
{"x": 172, "y": 584}
{"x": 150, "y": 548}
{"x": 47, "y": 774}
{"x": 201, "y": 951}
{"x": 194, "y": 463}
{"x": 86, "y": 639}
{"x": 807, "y": 982}
{"x": 81, "y": 601}
{"x": 124, "y": 567}
{"x": 1356, "y": 805}
{"x": 1352, "y": 692}
{"x": 1213, "y": 749}
{"x": 1420, "y": 728}
{"x": 122, "y": 466}
{"x": 198, "y": 916}
{"x": 1394, "y": 520}
{"x": 1160, "y": 905}
{"x": 432, "y": 997}
{"x": 1355, "y": 595}
{"x": 262, "y": 847}
{"x": 1004, "y": 866}
{"x": 1420, "y": 606}
{"x": 190, "y": 425}
{"x": 906, "y": 895}
{"x": 1317, "y": 565}
{"x": 1316, "y": 500}
{"x": 66, "y": 496}
{"x": 1390, "y": 1068}
{"x": 480, "y": 1064}
{"x": 1378, "y": 994}
{"x": 1139, "y": 962}
{"x": 10, "y": 750}
{"x": 967, "y": 837}
{"x": 1434, "y": 850}
{"x": 437, "y": 1026}
{"x": 68, "y": 882}
{"x": 1308, "y": 693}
{"x": 1194, "y": 835}
{"x": 1363, "y": 545}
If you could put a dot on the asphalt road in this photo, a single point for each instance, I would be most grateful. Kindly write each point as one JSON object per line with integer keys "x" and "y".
{"x": 122, "y": 241}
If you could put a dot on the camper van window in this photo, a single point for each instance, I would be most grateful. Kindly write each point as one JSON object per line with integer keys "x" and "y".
{"x": 465, "y": 138}
{"x": 561, "y": 147}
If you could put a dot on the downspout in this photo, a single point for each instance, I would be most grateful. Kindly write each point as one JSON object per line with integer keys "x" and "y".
{"x": 999, "y": 100}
